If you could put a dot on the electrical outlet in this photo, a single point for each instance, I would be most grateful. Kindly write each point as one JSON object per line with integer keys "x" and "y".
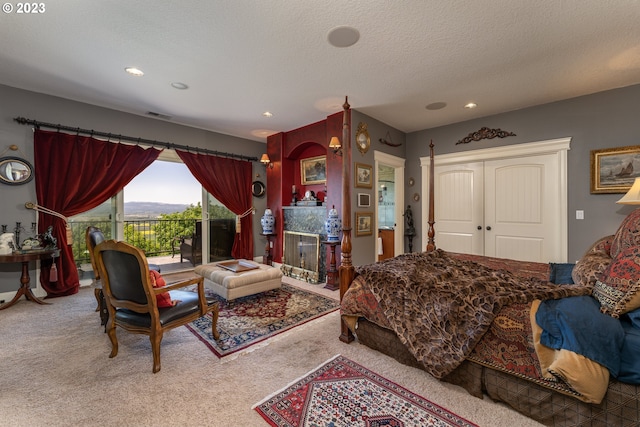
{"x": 579, "y": 214}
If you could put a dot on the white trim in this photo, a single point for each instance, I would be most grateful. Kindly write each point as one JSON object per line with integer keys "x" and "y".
{"x": 516, "y": 150}
{"x": 558, "y": 146}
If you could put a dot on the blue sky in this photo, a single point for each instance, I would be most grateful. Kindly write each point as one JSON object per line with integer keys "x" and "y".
{"x": 165, "y": 182}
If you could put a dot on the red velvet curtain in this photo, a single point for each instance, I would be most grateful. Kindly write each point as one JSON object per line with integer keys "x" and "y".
{"x": 75, "y": 174}
{"x": 229, "y": 181}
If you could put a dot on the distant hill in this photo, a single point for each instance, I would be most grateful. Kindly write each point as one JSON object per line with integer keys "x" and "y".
{"x": 137, "y": 210}
{"x": 152, "y": 209}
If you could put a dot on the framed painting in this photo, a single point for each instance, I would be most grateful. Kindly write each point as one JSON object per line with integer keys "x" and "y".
{"x": 363, "y": 223}
{"x": 363, "y": 176}
{"x": 313, "y": 170}
{"x": 613, "y": 170}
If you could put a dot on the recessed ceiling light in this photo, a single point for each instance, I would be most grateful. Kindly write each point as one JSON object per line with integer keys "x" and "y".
{"x": 343, "y": 36}
{"x": 263, "y": 133}
{"x": 134, "y": 71}
{"x": 179, "y": 85}
{"x": 436, "y": 106}
{"x": 267, "y": 114}
{"x": 471, "y": 105}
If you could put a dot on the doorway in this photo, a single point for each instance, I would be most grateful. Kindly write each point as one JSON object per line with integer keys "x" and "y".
{"x": 389, "y": 201}
{"x": 506, "y": 202}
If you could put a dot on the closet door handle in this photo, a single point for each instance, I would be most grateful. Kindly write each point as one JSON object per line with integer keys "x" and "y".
{"x": 488, "y": 227}
{"x": 479, "y": 227}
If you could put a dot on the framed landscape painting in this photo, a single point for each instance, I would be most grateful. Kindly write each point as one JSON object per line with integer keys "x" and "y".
{"x": 313, "y": 170}
{"x": 613, "y": 170}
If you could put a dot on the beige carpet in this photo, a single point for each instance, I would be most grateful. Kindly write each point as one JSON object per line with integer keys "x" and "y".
{"x": 56, "y": 372}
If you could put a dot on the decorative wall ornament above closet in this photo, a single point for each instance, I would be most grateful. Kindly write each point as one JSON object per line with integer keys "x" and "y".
{"x": 485, "y": 133}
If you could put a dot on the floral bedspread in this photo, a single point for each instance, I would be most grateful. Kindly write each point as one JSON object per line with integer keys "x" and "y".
{"x": 441, "y": 305}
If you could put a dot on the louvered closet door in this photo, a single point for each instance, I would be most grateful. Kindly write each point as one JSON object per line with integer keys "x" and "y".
{"x": 520, "y": 199}
{"x": 459, "y": 207}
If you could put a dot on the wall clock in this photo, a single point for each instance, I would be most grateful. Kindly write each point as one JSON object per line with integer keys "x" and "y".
{"x": 257, "y": 189}
{"x": 363, "y": 141}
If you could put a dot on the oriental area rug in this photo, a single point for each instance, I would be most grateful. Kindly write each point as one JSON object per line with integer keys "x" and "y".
{"x": 249, "y": 320}
{"x": 342, "y": 393}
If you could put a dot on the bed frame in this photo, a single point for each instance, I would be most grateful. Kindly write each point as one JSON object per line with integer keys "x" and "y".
{"x": 346, "y": 270}
{"x": 621, "y": 406}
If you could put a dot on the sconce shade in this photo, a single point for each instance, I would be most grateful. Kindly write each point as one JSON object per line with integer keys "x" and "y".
{"x": 265, "y": 159}
{"x": 633, "y": 195}
{"x": 335, "y": 146}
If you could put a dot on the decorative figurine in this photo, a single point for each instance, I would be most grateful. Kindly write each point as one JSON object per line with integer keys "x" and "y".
{"x": 7, "y": 243}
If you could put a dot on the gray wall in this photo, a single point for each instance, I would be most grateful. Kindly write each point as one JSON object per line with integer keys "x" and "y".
{"x": 16, "y": 103}
{"x": 602, "y": 120}
{"x": 363, "y": 247}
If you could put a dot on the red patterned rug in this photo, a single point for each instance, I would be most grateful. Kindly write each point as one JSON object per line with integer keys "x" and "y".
{"x": 343, "y": 393}
{"x": 249, "y": 320}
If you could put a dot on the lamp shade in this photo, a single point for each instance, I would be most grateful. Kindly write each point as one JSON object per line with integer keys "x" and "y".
{"x": 334, "y": 143}
{"x": 633, "y": 195}
{"x": 265, "y": 159}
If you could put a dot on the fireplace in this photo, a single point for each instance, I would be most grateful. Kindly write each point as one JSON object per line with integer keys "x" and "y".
{"x": 301, "y": 256}
{"x": 304, "y": 229}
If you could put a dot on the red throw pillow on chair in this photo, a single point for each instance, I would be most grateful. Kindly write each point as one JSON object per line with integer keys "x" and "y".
{"x": 163, "y": 299}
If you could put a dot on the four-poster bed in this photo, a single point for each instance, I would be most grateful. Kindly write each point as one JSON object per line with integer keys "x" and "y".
{"x": 474, "y": 321}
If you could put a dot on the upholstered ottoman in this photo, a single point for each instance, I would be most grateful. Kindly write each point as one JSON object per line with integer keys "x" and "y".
{"x": 248, "y": 278}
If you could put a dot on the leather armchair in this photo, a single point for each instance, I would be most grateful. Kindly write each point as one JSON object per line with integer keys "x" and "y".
{"x": 131, "y": 298}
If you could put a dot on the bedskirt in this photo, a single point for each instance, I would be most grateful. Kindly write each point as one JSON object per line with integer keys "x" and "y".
{"x": 620, "y": 407}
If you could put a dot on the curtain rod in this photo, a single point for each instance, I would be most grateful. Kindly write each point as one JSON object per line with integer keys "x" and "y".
{"x": 170, "y": 145}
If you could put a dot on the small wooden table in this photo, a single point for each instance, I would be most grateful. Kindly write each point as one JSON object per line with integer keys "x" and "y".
{"x": 25, "y": 280}
{"x": 332, "y": 272}
{"x": 267, "y": 258}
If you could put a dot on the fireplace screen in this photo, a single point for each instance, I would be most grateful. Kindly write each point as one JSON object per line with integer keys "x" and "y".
{"x": 301, "y": 254}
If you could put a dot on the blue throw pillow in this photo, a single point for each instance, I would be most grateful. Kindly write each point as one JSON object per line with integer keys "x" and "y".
{"x": 561, "y": 273}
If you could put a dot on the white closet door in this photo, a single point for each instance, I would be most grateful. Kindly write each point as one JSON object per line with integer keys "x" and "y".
{"x": 521, "y": 198}
{"x": 459, "y": 207}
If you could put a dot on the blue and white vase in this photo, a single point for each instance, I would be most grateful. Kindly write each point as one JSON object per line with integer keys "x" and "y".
{"x": 333, "y": 225}
{"x": 267, "y": 222}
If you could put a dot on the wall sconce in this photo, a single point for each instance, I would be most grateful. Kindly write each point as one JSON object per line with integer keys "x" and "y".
{"x": 335, "y": 146}
{"x": 266, "y": 161}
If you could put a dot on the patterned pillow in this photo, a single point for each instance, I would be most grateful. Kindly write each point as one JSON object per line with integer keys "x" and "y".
{"x": 628, "y": 234}
{"x": 618, "y": 289}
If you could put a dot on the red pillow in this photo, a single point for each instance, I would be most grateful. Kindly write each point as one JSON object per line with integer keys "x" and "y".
{"x": 163, "y": 299}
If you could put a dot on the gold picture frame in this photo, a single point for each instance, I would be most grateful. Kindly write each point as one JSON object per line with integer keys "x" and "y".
{"x": 363, "y": 140}
{"x": 364, "y": 222}
{"x": 613, "y": 170}
{"x": 313, "y": 170}
{"x": 363, "y": 176}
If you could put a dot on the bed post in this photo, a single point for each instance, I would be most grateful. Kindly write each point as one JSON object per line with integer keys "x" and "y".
{"x": 346, "y": 267}
{"x": 431, "y": 245}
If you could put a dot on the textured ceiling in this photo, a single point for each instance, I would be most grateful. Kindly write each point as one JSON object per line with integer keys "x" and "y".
{"x": 241, "y": 58}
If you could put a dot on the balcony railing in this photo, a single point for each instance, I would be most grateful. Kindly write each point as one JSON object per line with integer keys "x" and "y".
{"x": 156, "y": 237}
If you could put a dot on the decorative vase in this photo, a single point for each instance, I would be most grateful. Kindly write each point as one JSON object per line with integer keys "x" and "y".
{"x": 333, "y": 225}
{"x": 267, "y": 222}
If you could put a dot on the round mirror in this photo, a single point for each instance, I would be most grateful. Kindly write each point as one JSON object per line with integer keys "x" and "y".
{"x": 257, "y": 188}
{"x": 15, "y": 171}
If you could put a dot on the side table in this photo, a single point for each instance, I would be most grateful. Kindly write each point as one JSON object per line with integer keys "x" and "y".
{"x": 24, "y": 259}
{"x": 267, "y": 258}
{"x": 332, "y": 273}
